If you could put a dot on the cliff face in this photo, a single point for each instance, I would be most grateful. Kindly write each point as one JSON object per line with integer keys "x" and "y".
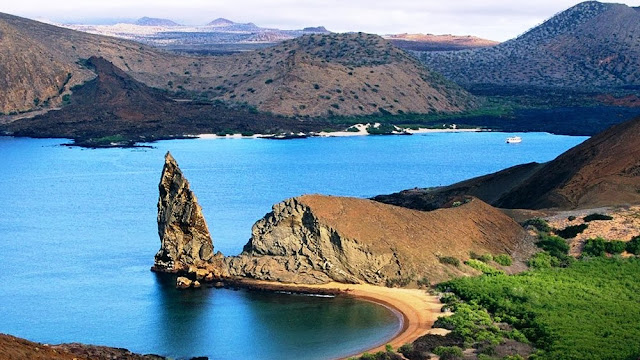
{"x": 315, "y": 239}
{"x": 183, "y": 231}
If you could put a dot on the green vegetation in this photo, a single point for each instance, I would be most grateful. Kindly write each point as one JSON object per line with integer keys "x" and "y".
{"x": 633, "y": 246}
{"x": 503, "y": 259}
{"x": 383, "y": 129}
{"x": 538, "y": 223}
{"x": 449, "y": 260}
{"x": 268, "y": 81}
{"x": 448, "y": 352}
{"x": 541, "y": 260}
{"x": 596, "y": 216}
{"x": 572, "y": 231}
{"x": 481, "y": 266}
{"x": 594, "y": 247}
{"x": 615, "y": 247}
{"x": 585, "y": 311}
{"x": 554, "y": 245}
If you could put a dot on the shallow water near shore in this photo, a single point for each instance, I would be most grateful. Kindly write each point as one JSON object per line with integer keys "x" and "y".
{"x": 78, "y": 234}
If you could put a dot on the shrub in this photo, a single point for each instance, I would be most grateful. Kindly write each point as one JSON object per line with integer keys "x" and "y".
{"x": 594, "y": 247}
{"x": 633, "y": 246}
{"x": 541, "y": 260}
{"x": 406, "y": 348}
{"x": 615, "y": 246}
{"x": 597, "y": 216}
{"x": 449, "y": 260}
{"x": 571, "y": 218}
{"x": 268, "y": 81}
{"x": 424, "y": 281}
{"x": 538, "y": 223}
{"x": 448, "y": 352}
{"x": 503, "y": 259}
{"x": 353, "y": 129}
{"x": 555, "y": 245}
{"x": 572, "y": 231}
{"x": 486, "y": 269}
{"x": 486, "y": 258}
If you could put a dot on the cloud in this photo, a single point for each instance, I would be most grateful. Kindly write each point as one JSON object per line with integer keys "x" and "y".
{"x": 493, "y": 19}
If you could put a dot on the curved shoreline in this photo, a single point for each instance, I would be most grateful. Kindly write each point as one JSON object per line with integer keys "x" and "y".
{"x": 417, "y": 309}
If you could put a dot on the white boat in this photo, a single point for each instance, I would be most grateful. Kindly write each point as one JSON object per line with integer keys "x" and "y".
{"x": 514, "y": 140}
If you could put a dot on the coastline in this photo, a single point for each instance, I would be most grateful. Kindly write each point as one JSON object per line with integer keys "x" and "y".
{"x": 415, "y": 308}
{"x": 362, "y": 132}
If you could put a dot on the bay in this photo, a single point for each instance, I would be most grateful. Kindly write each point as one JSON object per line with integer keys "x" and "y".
{"x": 78, "y": 234}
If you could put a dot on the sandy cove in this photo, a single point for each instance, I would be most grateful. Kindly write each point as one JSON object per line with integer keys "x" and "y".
{"x": 416, "y": 309}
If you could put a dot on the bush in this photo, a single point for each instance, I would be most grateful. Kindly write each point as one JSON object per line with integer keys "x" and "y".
{"x": 615, "y": 247}
{"x": 594, "y": 247}
{"x": 541, "y": 260}
{"x": 597, "y": 216}
{"x": 554, "y": 245}
{"x": 268, "y": 81}
{"x": 571, "y": 218}
{"x": 572, "y": 231}
{"x": 633, "y": 246}
{"x": 448, "y": 352}
{"x": 486, "y": 269}
{"x": 503, "y": 259}
{"x": 486, "y": 258}
{"x": 449, "y": 260}
{"x": 424, "y": 281}
{"x": 538, "y": 223}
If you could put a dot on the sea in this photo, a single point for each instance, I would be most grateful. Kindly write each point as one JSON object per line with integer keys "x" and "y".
{"x": 78, "y": 234}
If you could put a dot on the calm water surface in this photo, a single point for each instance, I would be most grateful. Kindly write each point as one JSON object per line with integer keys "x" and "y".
{"x": 78, "y": 234}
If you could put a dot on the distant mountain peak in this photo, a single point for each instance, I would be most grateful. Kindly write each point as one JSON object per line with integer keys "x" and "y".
{"x": 149, "y": 21}
{"x": 221, "y": 22}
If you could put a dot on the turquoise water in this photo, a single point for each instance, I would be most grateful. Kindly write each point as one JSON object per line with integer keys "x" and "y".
{"x": 78, "y": 234}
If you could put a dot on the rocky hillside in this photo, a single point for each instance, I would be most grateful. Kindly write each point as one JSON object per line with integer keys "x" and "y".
{"x": 314, "y": 75}
{"x": 590, "y": 45}
{"x": 316, "y": 239}
{"x": 429, "y": 42}
{"x": 602, "y": 171}
{"x": 340, "y": 74}
{"x": 14, "y": 348}
{"x": 116, "y": 107}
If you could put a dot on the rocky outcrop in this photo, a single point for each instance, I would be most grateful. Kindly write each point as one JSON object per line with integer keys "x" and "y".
{"x": 316, "y": 239}
{"x": 184, "y": 235}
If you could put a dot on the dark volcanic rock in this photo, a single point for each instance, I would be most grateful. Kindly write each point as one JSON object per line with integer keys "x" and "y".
{"x": 183, "y": 231}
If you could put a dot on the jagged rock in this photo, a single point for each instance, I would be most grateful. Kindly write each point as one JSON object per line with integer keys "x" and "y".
{"x": 184, "y": 235}
{"x": 183, "y": 283}
{"x": 196, "y": 284}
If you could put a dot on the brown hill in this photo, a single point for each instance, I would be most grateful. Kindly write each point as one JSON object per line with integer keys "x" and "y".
{"x": 602, "y": 171}
{"x": 14, "y": 348}
{"x": 339, "y": 74}
{"x": 115, "y": 104}
{"x": 590, "y": 45}
{"x": 429, "y": 42}
{"x": 313, "y": 75}
{"x": 316, "y": 239}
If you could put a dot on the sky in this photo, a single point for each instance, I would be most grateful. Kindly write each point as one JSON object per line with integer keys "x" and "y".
{"x": 492, "y": 19}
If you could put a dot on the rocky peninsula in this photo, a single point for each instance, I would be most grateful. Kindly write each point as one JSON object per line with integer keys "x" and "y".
{"x": 316, "y": 239}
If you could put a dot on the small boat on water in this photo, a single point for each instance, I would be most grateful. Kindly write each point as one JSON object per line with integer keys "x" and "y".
{"x": 514, "y": 140}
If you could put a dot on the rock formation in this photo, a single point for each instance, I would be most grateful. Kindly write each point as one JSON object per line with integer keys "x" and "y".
{"x": 183, "y": 231}
{"x": 316, "y": 239}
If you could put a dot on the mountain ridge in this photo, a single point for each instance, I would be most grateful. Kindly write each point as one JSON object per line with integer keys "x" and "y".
{"x": 589, "y": 45}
